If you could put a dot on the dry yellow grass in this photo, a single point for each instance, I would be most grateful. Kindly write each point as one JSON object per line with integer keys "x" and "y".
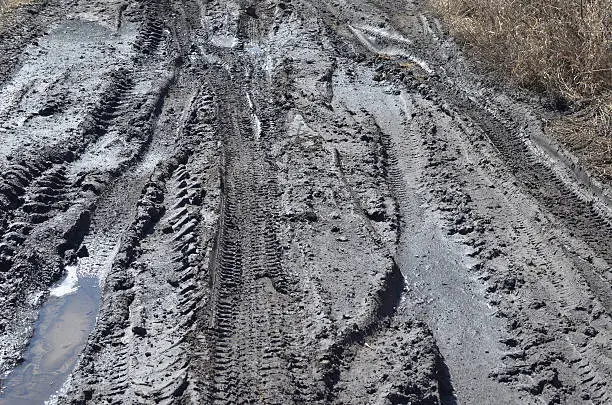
{"x": 562, "y": 48}
{"x": 6, "y": 5}
{"x": 556, "y": 45}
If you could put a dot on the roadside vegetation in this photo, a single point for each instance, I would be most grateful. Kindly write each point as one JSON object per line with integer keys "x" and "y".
{"x": 560, "y": 48}
{"x": 7, "y": 5}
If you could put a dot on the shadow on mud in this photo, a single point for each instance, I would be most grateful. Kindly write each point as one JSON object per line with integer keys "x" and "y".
{"x": 60, "y": 334}
{"x": 445, "y": 385}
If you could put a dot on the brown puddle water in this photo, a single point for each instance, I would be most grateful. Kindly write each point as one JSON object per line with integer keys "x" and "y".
{"x": 60, "y": 334}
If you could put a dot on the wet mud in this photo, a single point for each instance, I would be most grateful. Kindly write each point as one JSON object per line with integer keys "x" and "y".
{"x": 285, "y": 202}
{"x": 60, "y": 334}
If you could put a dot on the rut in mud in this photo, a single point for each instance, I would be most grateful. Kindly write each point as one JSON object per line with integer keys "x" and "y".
{"x": 289, "y": 202}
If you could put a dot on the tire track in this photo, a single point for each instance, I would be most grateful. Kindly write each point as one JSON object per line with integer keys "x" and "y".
{"x": 152, "y": 33}
{"x": 580, "y": 216}
{"x": 558, "y": 287}
{"x": 249, "y": 286}
{"x": 110, "y": 106}
{"x": 278, "y": 200}
{"x": 48, "y": 197}
{"x": 155, "y": 287}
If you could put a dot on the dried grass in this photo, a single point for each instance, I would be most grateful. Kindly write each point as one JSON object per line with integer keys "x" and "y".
{"x": 555, "y": 45}
{"x": 562, "y": 48}
{"x": 7, "y": 5}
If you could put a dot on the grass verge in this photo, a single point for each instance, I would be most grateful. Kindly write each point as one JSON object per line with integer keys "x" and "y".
{"x": 7, "y": 5}
{"x": 561, "y": 48}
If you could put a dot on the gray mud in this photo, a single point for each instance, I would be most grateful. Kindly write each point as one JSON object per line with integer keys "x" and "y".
{"x": 286, "y": 202}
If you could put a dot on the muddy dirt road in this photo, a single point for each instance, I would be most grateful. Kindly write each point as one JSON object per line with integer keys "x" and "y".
{"x": 285, "y": 201}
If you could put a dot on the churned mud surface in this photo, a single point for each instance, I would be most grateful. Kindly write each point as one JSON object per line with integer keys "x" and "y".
{"x": 285, "y": 202}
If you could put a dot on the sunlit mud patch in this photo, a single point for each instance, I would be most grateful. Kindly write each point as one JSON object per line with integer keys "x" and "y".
{"x": 224, "y": 24}
{"x": 69, "y": 285}
{"x": 61, "y": 332}
{"x": 60, "y": 76}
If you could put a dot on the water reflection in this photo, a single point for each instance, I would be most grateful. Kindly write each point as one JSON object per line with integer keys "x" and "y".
{"x": 60, "y": 334}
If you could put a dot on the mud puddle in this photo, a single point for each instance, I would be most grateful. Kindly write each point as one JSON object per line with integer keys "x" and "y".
{"x": 60, "y": 333}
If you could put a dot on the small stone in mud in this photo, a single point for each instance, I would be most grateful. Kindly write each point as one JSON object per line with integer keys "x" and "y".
{"x": 376, "y": 215}
{"x": 173, "y": 281}
{"x": 250, "y": 11}
{"x": 537, "y": 305}
{"x": 139, "y": 331}
{"x": 310, "y": 216}
{"x": 511, "y": 342}
{"x": 92, "y": 186}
